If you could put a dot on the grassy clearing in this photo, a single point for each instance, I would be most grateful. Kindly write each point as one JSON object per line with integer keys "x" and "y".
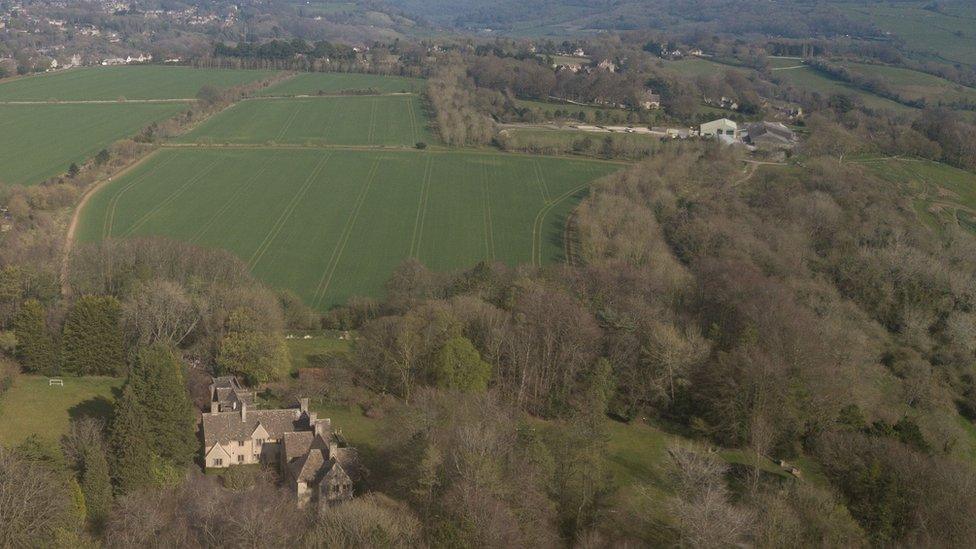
{"x": 41, "y": 141}
{"x": 133, "y": 82}
{"x": 330, "y": 224}
{"x": 32, "y": 407}
{"x": 318, "y": 83}
{"x": 304, "y": 350}
{"x": 943, "y": 195}
{"x": 346, "y": 120}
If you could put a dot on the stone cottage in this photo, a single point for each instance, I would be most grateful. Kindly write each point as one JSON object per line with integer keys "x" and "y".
{"x": 313, "y": 459}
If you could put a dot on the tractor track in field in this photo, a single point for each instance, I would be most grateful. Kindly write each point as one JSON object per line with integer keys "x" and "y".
{"x": 418, "y": 222}
{"x": 226, "y": 206}
{"x": 285, "y": 215}
{"x": 347, "y": 230}
{"x": 486, "y": 212}
{"x": 537, "y": 226}
{"x": 169, "y": 199}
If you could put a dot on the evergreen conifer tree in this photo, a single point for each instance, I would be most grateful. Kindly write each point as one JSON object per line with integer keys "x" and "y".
{"x": 92, "y": 343}
{"x": 130, "y": 452}
{"x": 157, "y": 379}
{"x": 96, "y": 485}
{"x": 35, "y": 347}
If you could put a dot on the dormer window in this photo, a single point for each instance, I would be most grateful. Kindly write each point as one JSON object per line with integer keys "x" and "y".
{"x": 240, "y": 443}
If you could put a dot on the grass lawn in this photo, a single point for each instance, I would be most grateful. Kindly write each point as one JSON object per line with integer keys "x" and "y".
{"x": 41, "y": 141}
{"x": 130, "y": 82}
{"x": 321, "y": 343}
{"x": 315, "y": 83}
{"x": 32, "y": 407}
{"x": 330, "y": 224}
{"x": 346, "y": 120}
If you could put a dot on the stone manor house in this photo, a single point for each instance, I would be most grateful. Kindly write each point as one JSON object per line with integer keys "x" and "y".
{"x": 312, "y": 458}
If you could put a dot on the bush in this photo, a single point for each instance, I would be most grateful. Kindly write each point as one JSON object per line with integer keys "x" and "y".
{"x": 421, "y": 145}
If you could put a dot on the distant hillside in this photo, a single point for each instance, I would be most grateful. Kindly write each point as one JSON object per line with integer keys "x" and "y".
{"x": 793, "y": 18}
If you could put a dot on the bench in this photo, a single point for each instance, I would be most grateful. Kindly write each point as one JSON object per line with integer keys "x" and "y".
{"x": 55, "y": 381}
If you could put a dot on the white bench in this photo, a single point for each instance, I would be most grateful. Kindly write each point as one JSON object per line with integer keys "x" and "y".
{"x": 55, "y": 381}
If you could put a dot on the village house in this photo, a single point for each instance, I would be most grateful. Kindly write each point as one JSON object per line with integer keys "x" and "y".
{"x": 313, "y": 459}
{"x": 607, "y": 65}
{"x": 723, "y": 129}
{"x": 650, "y": 100}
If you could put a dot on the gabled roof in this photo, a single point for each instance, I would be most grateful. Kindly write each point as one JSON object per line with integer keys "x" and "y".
{"x": 226, "y": 427}
{"x": 308, "y": 468}
{"x": 260, "y": 432}
{"x": 336, "y": 472}
{"x": 217, "y": 451}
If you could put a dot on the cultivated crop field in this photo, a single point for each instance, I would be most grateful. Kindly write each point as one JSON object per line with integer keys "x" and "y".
{"x": 130, "y": 82}
{"x": 331, "y": 83}
{"x": 41, "y": 141}
{"x": 340, "y": 120}
{"x": 330, "y": 224}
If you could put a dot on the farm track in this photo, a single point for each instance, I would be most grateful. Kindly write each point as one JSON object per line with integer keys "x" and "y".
{"x": 75, "y": 216}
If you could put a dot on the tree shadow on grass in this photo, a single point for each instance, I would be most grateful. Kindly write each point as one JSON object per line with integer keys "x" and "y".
{"x": 98, "y": 407}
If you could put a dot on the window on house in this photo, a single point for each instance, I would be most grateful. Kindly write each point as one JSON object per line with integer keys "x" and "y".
{"x": 259, "y": 441}
{"x": 240, "y": 443}
{"x": 218, "y": 462}
{"x": 240, "y": 458}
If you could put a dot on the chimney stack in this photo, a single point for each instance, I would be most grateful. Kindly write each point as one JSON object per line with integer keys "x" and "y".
{"x": 303, "y": 405}
{"x": 243, "y": 411}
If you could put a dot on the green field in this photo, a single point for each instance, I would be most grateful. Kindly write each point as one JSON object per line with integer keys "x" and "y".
{"x": 129, "y": 82}
{"x": 693, "y": 67}
{"x": 547, "y": 110}
{"x": 31, "y": 406}
{"x": 943, "y": 195}
{"x": 346, "y": 120}
{"x": 41, "y": 141}
{"x": 330, "y": 83}
{"x": 812, "y": 80}
{"x": 330, "y": 224}
{"x": 917, "y": 85}
{"x": 949, "y": 36}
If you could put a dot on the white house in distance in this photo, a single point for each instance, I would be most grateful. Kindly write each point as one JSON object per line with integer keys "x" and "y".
{"x": 723, "y": 128}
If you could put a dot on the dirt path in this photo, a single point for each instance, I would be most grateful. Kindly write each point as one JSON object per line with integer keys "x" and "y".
{"x": 69, "y": 238}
